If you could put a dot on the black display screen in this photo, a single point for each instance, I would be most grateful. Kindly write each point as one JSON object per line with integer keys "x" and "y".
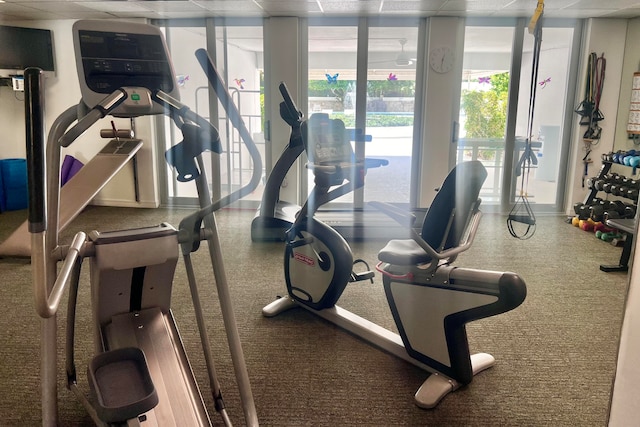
{"x": 26, "y": 47}
{"x": 113, "y": 60}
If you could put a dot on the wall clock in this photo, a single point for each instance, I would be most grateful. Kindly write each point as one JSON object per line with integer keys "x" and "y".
{"x": 441, "y": 59}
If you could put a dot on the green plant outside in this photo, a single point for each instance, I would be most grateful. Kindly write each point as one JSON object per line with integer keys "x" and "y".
{"x": 486, "y": 111}
{"x": 323, "y": 88}
{"x": 375, "y": 120}
{"x": 375, "y": 88}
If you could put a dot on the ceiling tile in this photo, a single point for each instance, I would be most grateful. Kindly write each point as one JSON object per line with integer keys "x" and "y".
{"x": 352, "y": 8}
{"x": 291, "y": 7}
{"x": 412, "y": 6}
{"x": 27, "y": 13}
{"x": 475, "y": 5}
{"x": 59, "y": 6}
{"x": 169, "y": 6}
{"x": 62, "y": 9}
{"x": 580, "y": 13}
{"x": 237, "y": 6}
{"x": 548, "y": 5}
{"x": 630, "y": 12}
{"x": 601, "y": 4}
{"x": 115, "y": 6}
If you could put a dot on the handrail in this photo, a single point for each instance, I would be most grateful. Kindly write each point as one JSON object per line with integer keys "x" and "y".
{"x": 448, "y": 253}
{"x": 110, "y": 102}
{"x": 397, "y": 215}
{"x": 236, "y": 119}
{"x": 47, "y": 303}
{"x": 47, "y": 294}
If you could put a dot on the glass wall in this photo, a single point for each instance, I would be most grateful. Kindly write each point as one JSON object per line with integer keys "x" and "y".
{"x": 391, "y": 95}
{"x": 497, "y": 70}
{"x": 483, "y": 104}
{"x": 239, "y": 58}
{"x": 548, "y": 125}
{"x": 384, "y": 63}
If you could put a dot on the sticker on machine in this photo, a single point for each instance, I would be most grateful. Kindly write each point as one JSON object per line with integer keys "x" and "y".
{"x": 300, "y": 257}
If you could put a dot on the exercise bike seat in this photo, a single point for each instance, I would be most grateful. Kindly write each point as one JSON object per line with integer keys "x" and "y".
{"x": 404, "y": 252}
{"x": 453, "y": 209}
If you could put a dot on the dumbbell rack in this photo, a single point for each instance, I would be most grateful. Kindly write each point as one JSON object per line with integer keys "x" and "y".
{"x": 604, "y": 170}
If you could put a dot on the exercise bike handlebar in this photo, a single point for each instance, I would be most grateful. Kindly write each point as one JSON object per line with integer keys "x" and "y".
{"x": 453, "y": 252}
{"x": 289, "y": 111}
{"x": 334, "y": 168}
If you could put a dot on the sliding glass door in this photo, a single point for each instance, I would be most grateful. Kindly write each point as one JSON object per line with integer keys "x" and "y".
{"x": 236, "y": 47}
{"x": 364, "y": 73}
{"x": 494, "y": 108}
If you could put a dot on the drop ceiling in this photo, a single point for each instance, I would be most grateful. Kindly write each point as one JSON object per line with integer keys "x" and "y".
{"x": 20, "y": 10}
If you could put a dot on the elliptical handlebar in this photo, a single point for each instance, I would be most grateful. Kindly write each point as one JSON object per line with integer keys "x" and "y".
{"x": 35, "y": 144}
{"x": 236, "y": 119}
{"x": 104, "y": 107}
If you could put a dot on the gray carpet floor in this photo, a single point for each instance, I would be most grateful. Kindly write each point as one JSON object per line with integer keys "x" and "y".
{"x": 556, "y": 353}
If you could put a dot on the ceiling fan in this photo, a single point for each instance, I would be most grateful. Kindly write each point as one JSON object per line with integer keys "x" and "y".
{"x": 403, "y": 59}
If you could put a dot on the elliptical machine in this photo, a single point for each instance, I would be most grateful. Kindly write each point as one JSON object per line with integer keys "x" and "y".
{"x": 140, "y": 374}
{"x": 430, "y": 300}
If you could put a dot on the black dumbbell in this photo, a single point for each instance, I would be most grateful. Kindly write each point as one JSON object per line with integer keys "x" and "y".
{"x": 629, "y": 211}
{"x": 596, "y": 212}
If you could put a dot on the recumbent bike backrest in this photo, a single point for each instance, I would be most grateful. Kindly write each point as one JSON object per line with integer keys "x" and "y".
{"x": 457, "y": 199}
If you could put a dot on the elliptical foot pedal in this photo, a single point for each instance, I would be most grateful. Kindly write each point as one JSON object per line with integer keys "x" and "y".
{"x": 121, "y": 385}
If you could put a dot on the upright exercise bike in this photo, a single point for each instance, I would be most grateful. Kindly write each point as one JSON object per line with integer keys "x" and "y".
{"x": 275, "y": 216}
{"x": 140, "y": 374}
{"x": 430, "y": 300}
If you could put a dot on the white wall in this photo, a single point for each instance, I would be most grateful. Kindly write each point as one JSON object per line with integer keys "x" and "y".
{"x": 282, "y": 62}
{"x": 625, "y": 407}
{"x": 63, "y": 91}
{"x": 606, "y": 36}
{"x": 630, "y": 65}
{"x": 441, "y": 101}
{"x": 12, "y": 143}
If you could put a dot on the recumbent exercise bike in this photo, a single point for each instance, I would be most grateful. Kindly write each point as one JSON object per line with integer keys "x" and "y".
{"x": 430, "y": 300}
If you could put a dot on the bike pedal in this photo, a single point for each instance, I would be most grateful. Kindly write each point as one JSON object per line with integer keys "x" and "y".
{"x": 365, "y": 275}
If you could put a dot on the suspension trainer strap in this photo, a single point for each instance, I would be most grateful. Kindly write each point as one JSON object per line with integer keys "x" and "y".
{"x": 521, "y": 211}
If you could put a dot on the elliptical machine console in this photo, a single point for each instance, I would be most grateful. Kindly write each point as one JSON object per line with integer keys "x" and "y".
{"x": 134, "y": 59}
